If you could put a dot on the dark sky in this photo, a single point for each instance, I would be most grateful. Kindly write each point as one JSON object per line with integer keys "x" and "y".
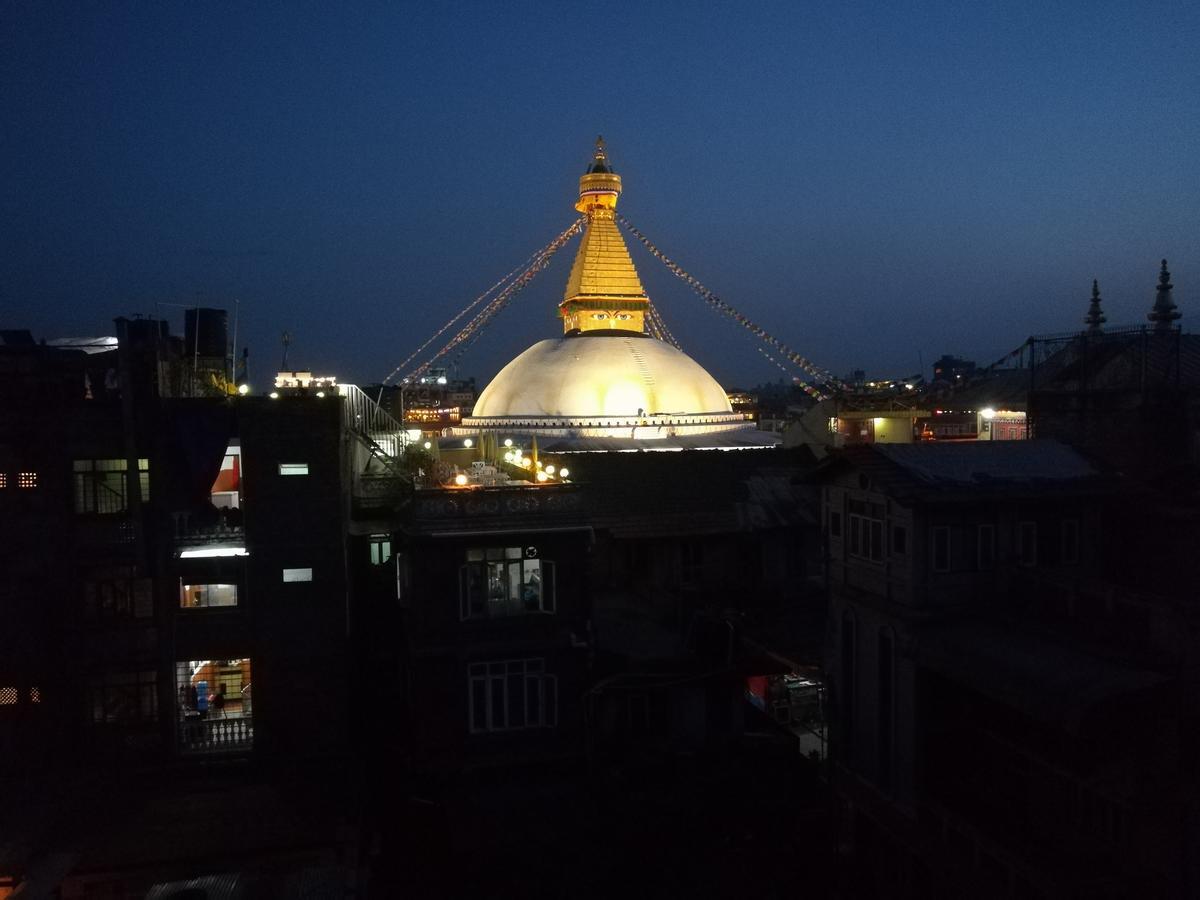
{"x": 871, "y": 182}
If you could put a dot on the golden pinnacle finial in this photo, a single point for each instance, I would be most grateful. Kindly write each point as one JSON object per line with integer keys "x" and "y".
{"x": 600, "y": 149}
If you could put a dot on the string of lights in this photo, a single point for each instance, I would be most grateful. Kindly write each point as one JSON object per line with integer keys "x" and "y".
{"x": 811, "y": 368}
{"x": 541, "y": 259}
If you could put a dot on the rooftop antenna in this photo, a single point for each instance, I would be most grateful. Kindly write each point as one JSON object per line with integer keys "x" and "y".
{"x": 287, "y": 340}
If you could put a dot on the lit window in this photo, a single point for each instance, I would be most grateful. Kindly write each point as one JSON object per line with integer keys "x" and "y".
{"x": 505, "y": 581}
{"x": 381, "y": 549}
{"x": 293, "y": 468}
{"x": 8, "y": 696}
{"x": 3, "y": 481}
{"x": 202, "y": 596}
{"x": 27, "y": 479}
{"x": 297, "y": 574}
{"x": 100, "y": 485}
{"x": 35, "y": 694}
{"x": 511, "y": 695}
{"x": 213, "y": 705}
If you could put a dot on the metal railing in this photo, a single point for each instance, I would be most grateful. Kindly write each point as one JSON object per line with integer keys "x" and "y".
{"x": 378, "y": 431}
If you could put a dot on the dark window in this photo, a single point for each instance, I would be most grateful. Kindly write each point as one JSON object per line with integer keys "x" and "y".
{"x": 1070, "y": 541}
{"x": 124, "y": 697}
{"x": 847, "y": 687}
{"x": 899, "y": 540}
{"x": 866, "y": 536}
{"x": 691, "y": 562}
{"x": 986, "y": 548}
{"x": 1027, "y": 543}
{"x": 835, "y": 524}
{"x": 510, "y": 695}
{"x": 116, "y": 593}
{"x": 886, "y": 706}
{"x": 941, "y": 548}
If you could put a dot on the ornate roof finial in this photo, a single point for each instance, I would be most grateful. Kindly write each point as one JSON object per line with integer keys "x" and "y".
{"x": 599, "y": 157}
{"x": 1164, "y": 311}
{"x": 1095, "y": 317}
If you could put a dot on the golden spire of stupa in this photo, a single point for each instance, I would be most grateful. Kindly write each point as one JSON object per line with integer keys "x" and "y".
{"x": 603, "y": 292}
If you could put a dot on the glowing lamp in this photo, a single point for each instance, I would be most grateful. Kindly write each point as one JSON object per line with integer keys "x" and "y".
{"x": 542, "y": 476}
{"x": 243, "y": 389}
{"x": 563, "y": 473}
{"x": 549, "y": 470}
{"x": 468, "y": 443}
{"x": 274, "y": 395}
{"x": 320, "y": 393}
{"x": 508, "y": 442}
{"x": 460, "y": 479}
{"x": 988, "y": 413}
{"x": 427, "y": 445}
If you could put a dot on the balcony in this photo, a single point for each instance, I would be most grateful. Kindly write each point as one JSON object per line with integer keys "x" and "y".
{"x": 231, "y": 734}
{"x": 203, "y": 530}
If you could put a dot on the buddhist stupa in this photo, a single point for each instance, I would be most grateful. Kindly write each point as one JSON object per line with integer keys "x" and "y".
{"x": 607, "y": 383}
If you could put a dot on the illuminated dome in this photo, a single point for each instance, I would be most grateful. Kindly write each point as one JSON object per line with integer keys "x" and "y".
{"x": 594, "y": 374}
{"x": 605, "y": 384}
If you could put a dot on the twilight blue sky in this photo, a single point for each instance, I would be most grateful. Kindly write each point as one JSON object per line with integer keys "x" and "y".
{"x": 873, "y": 182}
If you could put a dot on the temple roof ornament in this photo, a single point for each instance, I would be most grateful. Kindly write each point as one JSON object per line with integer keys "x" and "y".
{"x": 1164, "y": 312}
{"x": 1095, "y": 317}
{"x": 604, "y": 292}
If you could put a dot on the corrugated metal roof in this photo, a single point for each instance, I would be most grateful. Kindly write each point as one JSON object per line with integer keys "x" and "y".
{"x": 984, "y": 462}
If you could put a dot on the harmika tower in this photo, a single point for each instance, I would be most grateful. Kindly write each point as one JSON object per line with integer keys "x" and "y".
{"x": 603, "y": 291}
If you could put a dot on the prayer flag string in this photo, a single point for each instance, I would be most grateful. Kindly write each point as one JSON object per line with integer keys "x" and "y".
{"x": 821, "y": 375}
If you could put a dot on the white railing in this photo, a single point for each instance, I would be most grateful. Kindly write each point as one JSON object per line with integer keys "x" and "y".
{"x": 366, "y": 419}
{"x": 210, "y": 735}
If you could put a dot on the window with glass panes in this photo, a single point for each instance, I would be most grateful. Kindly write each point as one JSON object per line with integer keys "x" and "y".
{"x": 511, "y": 695}
{"x": 866, "y": 530}
{"x": 202, "y": 596}
{"x": 381, "y": 549}
{"x": 505, "y": 581}
{"x": 116, "y": 592}
{"x": 100, "y": 485}
{"x": 124, "y": 697}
